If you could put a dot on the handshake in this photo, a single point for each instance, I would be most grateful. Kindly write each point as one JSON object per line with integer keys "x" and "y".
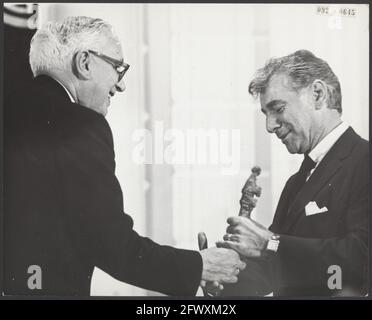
{"x": 220, "y": 265}
{"x": 244, "y": 236}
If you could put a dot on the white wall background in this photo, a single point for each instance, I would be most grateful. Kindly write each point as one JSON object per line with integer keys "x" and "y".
{"x": 190, "y": 68}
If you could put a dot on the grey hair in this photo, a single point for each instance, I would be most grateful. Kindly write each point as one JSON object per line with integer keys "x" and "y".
{"x": 302, "y": 67}
{"x": 54, "y": 45}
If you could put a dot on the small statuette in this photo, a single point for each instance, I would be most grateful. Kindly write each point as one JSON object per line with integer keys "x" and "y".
{"x": 250, "y": 190}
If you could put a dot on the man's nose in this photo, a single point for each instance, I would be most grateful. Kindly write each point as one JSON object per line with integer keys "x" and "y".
{"x": 120, "y": 86}
{"x": 271, "y": 124}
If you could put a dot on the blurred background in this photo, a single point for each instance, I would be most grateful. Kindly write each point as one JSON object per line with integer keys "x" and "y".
{"x": 190, "y": 69}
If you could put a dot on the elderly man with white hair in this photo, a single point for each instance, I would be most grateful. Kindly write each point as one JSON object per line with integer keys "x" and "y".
{"x": 63, "y": 204}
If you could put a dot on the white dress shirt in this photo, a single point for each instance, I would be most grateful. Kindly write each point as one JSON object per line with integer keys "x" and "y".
{"x": 322, "y": 148}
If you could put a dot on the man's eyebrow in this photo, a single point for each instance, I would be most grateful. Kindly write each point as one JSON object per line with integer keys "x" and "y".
{"x": 272, "y": 104}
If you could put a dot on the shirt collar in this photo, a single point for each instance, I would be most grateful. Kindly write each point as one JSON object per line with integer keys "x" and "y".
{"x": 322, "y": 148}
{"x": 68, "y": 92}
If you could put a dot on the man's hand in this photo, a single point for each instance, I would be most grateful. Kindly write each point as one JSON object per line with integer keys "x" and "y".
{"x": 245, "y": 236}
{"x": 221, "y": 265}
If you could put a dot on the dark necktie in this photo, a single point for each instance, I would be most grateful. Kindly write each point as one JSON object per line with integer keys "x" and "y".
{"x": 307, "y": 165}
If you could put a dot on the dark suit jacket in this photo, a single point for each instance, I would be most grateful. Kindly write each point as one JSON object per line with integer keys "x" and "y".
{"x": 64, "y": 205}
{"x": 310, "y": 244}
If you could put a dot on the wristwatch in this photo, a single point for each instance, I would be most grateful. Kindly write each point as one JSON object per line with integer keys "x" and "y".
{"x": 273, "y": 243}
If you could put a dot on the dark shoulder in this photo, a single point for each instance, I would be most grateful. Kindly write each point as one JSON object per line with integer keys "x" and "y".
{"x": 44, "y": 107}
{"x": 361, "y": 148}
{"x": 80, "y": 123}
{"x": 356, "y": 164}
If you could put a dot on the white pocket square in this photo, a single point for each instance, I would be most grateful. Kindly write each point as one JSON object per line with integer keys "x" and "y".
{"x": 312, "y": 208}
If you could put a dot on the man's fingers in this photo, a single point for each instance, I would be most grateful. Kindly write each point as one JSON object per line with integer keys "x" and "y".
{"x": 220, "y": 244}
{"x": 233, "y": 221}
{"x": 231, "y": 237}
{"x": 231, "y": 279}
{"x": 239, "y": 221}
{"x": 230, "y": 229}
{"x": 235, "y": 229}
{"x": 226, "y": 244}
{"x": 241, "y": 265}
{"x": 229, "y": 245}
{"x": 241, "y": 224}
{"x": 236, "y": 246}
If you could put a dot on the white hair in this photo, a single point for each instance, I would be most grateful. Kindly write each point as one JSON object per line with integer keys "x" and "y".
{"x": 54, "y": 45}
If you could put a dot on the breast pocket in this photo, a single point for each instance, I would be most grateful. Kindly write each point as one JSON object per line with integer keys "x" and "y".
{"x": 317, "y": 220}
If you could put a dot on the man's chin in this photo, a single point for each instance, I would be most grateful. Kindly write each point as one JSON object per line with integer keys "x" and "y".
{"x": 292, "y": 149}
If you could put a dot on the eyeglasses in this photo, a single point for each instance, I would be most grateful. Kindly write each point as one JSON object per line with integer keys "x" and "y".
{"x": 120, "y": 66}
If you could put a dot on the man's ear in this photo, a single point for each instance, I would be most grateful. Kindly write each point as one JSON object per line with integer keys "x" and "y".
{"x": 82, "y": 65}
{"x": 319, "y": 93}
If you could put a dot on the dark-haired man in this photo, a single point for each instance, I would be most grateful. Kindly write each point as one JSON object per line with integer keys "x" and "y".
{"x": 318, "y": 242}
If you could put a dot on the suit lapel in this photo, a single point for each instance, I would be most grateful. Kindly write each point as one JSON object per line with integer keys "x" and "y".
{"x": 282, "y": 208}
{"x": 323, "y": 173}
